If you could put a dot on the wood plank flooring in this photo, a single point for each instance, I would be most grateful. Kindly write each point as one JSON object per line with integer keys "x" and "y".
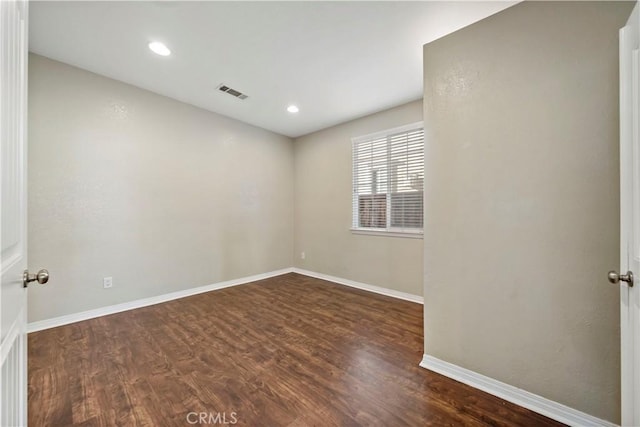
{"x": 286, "y": 351}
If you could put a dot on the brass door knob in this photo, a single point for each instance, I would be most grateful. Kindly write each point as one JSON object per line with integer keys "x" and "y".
{"x": 41, "y": 276}
{"x": 615, "y": 277}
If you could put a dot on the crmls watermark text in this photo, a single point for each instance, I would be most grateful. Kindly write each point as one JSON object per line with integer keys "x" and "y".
{"x": 219, "y": 418}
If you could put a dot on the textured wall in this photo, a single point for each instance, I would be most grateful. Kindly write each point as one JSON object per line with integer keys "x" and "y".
{"x": 160, "y": 195}
{"x": 323, "y": 192}
{"x": 521, "y": 208}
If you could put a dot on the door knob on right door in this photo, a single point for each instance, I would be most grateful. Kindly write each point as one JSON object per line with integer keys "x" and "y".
{"x": 615, "y": 277}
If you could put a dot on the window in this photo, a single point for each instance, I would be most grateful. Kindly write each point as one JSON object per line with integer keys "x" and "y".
{"x": 388, "y": 182}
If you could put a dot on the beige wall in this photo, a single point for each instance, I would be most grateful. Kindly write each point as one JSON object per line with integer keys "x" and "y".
{"x": 160, "y": 195}
{"x": 521, "y": 206}
{"x": 323, "y": 185}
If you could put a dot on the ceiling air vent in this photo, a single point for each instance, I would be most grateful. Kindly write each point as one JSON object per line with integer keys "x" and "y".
{"x": 230, "y": 91}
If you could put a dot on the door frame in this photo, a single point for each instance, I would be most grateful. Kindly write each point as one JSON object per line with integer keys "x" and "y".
{"x": 629, "y": 181}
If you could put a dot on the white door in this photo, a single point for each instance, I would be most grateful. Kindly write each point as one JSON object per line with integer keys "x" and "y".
{"x": 630, "y": 219}
{"x": 13, "y": 213}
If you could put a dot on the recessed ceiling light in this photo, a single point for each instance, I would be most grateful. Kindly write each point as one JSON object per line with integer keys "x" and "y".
{"x": 159, "y": 48}
{"x": 292, "y": 109}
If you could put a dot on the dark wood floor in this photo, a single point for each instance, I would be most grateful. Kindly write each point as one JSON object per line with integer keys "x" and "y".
{"x": 286, "y": 351}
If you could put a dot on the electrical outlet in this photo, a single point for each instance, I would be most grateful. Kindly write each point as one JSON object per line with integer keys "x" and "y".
{"x": 107, "y": 282}
{"x": 302, "y": 255}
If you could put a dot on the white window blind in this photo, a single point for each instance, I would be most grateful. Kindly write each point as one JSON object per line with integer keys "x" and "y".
{"x": 388, "y": 177}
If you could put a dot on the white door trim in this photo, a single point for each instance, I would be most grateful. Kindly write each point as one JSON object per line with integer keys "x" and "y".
{"x": 629, "y": 224}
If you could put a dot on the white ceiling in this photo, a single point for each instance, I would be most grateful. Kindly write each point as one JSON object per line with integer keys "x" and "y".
{"x": 336, "y": 60}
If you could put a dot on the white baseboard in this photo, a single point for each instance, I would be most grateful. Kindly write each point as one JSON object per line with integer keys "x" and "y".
{"x": 112, "y": 309}
{"x": 541, "y": 405}
{"x": 364, "y": 286}
{"x": 130, "y": 305}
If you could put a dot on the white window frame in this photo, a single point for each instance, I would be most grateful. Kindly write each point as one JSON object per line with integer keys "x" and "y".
{"x": 390, "y": 231}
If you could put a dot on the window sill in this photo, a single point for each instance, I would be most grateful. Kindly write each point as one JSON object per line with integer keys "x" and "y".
{"x": 374, "y": 232}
